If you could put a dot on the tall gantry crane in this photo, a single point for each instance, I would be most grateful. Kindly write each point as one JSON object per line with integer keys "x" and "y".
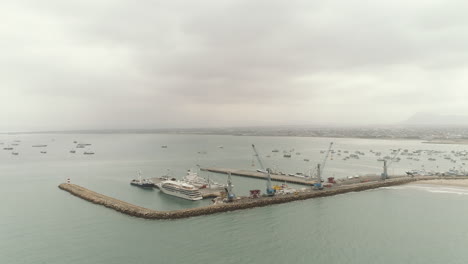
{"x": 321, "y": 167}
{"x": 269, "y": 191}
{"x": 230, "y": 194}
{"x": 384, "y": 175}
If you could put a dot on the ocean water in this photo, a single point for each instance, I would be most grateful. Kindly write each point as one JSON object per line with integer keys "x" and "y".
{"x": 42, "y": 224}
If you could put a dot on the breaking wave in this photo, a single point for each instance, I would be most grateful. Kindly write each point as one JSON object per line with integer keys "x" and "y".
{"x": 432, "y": 189}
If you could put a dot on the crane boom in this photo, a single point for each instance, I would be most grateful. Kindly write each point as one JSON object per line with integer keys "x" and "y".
{"x": 385, "y": 172}
{"x": 270, "y": 191}
{"x": 393, "y": 158}
{"x": 320, "y": 168}
{"x": 325, "y": 159}
{"x": 258, "y": 157}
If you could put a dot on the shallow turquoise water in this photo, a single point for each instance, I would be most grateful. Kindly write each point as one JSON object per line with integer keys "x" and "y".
{"x": 42, "y": 224}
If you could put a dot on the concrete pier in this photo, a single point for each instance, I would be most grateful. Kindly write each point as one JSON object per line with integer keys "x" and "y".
{"x": 211, "y": 192}
{"x": 243, "y": 203}
{"x": 260, "y": 175}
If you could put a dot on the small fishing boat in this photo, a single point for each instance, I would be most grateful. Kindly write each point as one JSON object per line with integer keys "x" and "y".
{"x": 143, "y": 183}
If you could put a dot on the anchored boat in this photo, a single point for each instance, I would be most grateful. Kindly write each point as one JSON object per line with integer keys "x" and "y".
{"x": 143, "y": 183}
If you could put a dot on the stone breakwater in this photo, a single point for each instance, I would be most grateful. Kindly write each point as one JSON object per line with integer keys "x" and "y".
{"x": 243, "y": 203}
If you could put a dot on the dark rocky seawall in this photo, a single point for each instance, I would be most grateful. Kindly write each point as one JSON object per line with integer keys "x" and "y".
{"x": 243, "y": 203}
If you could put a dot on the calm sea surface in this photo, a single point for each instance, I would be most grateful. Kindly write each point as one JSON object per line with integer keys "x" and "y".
{"x": 42, "y": 224}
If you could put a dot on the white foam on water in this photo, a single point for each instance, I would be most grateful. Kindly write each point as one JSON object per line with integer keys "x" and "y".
{"x": 395, "y": 188}
{"x": 459, "y": 191}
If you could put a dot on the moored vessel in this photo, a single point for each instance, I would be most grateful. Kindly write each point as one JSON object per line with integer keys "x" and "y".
{"x": 143, "y": 183}
{"x": 181, "y": 190}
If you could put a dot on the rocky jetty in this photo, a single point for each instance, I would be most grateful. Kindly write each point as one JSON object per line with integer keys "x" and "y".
{"x": 243, "y": 203}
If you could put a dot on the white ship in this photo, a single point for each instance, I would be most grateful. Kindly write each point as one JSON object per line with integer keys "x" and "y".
{"x": 192, "y": 178}
{"x": 180, "y": 189}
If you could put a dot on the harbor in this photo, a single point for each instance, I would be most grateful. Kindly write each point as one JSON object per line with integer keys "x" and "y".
{"x": 193, "y": 187}
{"x": 239, "y": 204}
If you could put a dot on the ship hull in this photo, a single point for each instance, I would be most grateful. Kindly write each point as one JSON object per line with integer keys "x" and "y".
{"x": 180, "y": 195}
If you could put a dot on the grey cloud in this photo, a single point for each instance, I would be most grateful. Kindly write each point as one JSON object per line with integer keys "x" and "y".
{"x": 176, "y": 59}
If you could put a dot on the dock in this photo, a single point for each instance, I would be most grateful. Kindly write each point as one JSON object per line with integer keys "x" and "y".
{"x": 239, "y": 204}
{"x": 211, "y": 192}
{"x": 261, "y": 175}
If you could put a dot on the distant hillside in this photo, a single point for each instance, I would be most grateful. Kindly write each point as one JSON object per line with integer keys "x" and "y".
{"x": 426, "y": 119}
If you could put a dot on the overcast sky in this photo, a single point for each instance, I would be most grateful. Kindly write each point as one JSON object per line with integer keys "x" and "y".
{"x": 86, "y": 64}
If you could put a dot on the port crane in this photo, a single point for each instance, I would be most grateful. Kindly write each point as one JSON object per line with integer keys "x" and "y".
{"x": 230, "y": 194}
{"x": 384, "y": 175}
{"x": 321, "y": 167}
{"x": 269, "y": 191}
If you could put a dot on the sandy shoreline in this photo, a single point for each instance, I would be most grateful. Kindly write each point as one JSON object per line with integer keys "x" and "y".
{"x": 446, "y": 182}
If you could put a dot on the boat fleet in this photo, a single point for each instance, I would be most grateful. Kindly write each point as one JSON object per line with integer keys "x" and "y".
{"x": 9, "y": 147}
{"x": 419, "y": 157}
{"x": 43, "y": 147}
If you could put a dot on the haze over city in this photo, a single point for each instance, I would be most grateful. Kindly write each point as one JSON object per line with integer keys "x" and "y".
{"x": 161, "y": 64}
